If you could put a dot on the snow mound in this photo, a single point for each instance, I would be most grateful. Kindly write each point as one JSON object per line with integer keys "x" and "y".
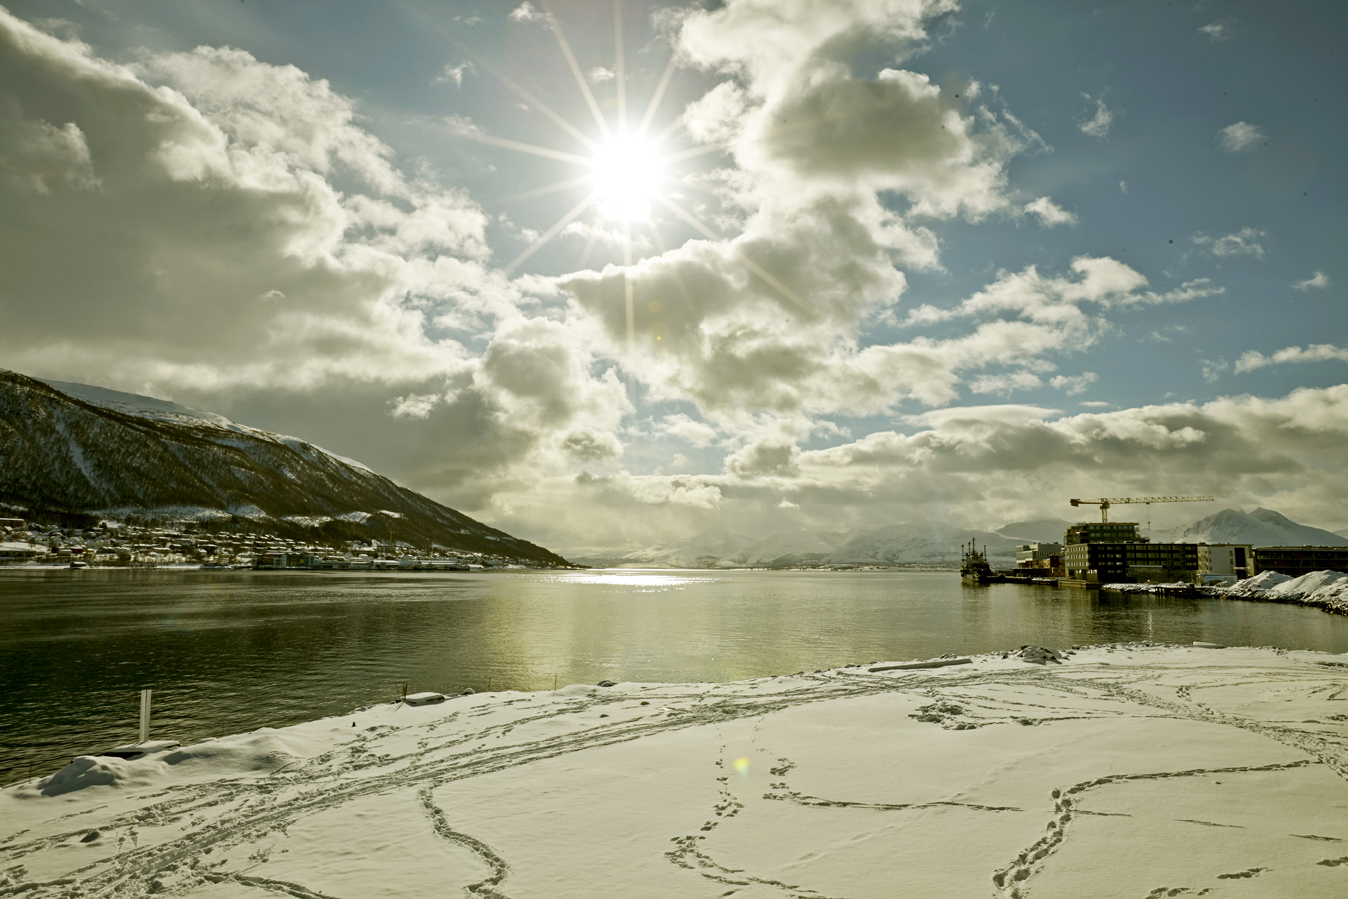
{"x": 263, "y": 751}
{"x": 1326, "y": 590}
{"x": 1309, "y": 583}
{"x": 1259, "y": 584}
{"x": 96, "y": 771}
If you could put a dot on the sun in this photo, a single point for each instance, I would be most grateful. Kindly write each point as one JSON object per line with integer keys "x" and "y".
{"x": 627, "y": 171}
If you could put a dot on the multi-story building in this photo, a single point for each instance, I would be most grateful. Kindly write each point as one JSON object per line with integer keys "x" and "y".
{"x": 1039, "y": 555}
{"x": 1135, "y": 561}
{"x": 1225, "y": 561}
{"x": 1103, "y": 532}
{"x": 1295, "y": 561}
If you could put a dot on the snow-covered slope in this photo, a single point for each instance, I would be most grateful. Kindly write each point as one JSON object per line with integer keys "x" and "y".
{"x": 143, "y": 406}
{"x": 927, "y": 543}
{"x": 706, "y": 550}
{"x": 1262, "y": 527}
{"x": 120, "y": 454}
{"x": 791, "y": 548}
{"x": 1038, "y": 530}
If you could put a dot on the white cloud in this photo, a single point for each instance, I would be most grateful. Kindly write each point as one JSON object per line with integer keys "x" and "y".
{"x": 1097, "y": 125}
{"x": 1319, "y": 281}
{"x": 1006, "y": 384}
{"x": 1323, "y": 352}
{"x": 998, "y": 463}
{"x": 453, "y": 73}
{"x": 525, "y": 12}
{"x": 769, "y": 321}
{"x": 1240, "y": 136}
{"x": 1074, "y": 385}
{"x": 1244, "y": 242}
{"x": 1050, "y": 213}
{"x": 213, "y": 199}
{"x": 1218, "y": 31}
{"x": 599, "y": 74}
{"x": 38, "y": 156}
{"x": 415, "y": 405}
{"x": 696, "y": 433}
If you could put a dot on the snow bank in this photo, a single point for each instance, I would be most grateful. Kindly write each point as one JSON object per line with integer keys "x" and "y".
{"x": 1327, "y": 590}
{"x": 265, "y": 750}
{"x": 1261, "y": 582}
{"x": 1124, "y": 770}
{"x": 1146, "y": 588}
{"x": 1309, "y": 583}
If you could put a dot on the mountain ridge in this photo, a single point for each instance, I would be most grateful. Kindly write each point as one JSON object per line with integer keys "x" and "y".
{"x": 68, "y": 455}
{"x": 1262, "y": 527}
{"x": 933, "y": 544}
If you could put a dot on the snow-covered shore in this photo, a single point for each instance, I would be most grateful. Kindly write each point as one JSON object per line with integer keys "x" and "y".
{"x": 1129, "y": 770}
{"x": 1327, "y": 590}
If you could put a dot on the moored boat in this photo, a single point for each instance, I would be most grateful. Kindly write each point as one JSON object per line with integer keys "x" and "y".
{"x": 974, "y": 567}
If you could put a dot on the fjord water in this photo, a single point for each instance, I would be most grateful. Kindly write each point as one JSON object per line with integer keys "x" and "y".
{"x": 228, "y": 652}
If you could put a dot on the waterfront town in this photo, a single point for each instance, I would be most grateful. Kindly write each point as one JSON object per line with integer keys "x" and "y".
{"x": 1095, "y": 553}
{"x": 116, "y": 544}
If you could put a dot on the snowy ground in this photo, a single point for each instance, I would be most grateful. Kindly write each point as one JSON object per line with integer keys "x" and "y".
{"x": 1132, "y": 771}
{"x": 1327, "y": 590}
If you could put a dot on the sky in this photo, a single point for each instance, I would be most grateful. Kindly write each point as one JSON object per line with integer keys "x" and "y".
{"x": 612, "y": 274}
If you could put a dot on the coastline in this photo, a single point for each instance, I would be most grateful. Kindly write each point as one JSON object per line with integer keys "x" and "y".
{"x": 1119, "y": 770}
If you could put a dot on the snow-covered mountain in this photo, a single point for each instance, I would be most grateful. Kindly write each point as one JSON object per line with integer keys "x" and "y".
{"x": 1262, "y": 527}
{"x": 927, "y": 543}
{"x": 904, "y": 544}
{"x": 788, "y": 549}
{"x": 938, "y": 544}
{"x": 85, "y": 449}
{"x": 1038, "y": 530}
{"x": 710, "y": 549}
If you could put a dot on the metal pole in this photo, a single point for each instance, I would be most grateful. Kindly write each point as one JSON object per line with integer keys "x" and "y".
{"x": 144, "y": 715}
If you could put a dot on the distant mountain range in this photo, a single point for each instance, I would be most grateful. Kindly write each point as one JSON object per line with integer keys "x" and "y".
{"x": 76, "y": 449}
{"x": 916, "y": 545}
{"x": 1262, "y": 527}
{"x": 932, "y": 544}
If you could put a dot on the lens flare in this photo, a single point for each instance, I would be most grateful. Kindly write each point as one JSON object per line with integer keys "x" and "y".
{"x": 742, "y": 767}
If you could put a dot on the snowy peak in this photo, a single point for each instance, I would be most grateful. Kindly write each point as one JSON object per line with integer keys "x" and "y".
{"x": 1262, "y": 527}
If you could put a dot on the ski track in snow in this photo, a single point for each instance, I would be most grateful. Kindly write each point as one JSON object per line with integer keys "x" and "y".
{"x": 218, "y": 816}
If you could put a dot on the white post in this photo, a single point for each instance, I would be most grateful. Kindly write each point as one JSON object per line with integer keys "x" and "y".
{"x": 144, "y": 715}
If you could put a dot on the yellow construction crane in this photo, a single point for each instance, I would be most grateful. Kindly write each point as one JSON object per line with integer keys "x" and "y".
{"x": 1104, "y": 504}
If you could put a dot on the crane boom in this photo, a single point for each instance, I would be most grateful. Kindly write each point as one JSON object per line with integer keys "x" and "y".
{"x": 1104, "y": 504}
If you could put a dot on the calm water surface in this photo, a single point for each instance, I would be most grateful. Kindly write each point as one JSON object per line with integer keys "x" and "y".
{"x": 227, "y": 652}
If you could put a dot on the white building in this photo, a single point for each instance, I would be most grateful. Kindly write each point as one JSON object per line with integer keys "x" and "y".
{"x": 1225, "y": 561}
